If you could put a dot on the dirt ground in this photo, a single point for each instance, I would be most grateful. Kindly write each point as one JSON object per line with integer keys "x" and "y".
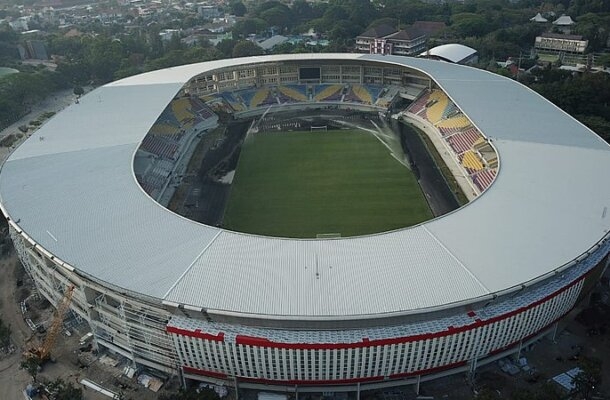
{"x": 12, "y": 379}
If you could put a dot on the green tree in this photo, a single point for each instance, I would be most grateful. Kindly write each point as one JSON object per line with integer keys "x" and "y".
{"x": 104, "y": 57}
{"x": 180, "y": 57}
{"x": 604, "y": 60}
{"x": 279, "y": 16}
{"x": 304, "y": 11}
{"x": 266, "y": 5}
{"x": 237, "y": 8}
{"x": 393, "y": 22}
{"x": 343, "y": 30}
{"x": 580, "y": 7}
{"x": 77, "y": 72}
{"x": 470, "y": 24}
{"x": 589, "y": 378}
{"x": 595, "y": 28}
{"x": 226, "y": 47}
{"x": 245, "y": 48}
{"x": 362, "y": 13}
{"x": 60, "y": 390}
{"x": 72, "y": 48}
{"x": 5, "y": 334}
{"x": 32, "y": 366}
{"x": 8, "y": 43}
{"x": 544, "y": 391}
{"x": 78, "y": 90}
{"x": 248, "y": 26}
{"x": 191, "y": 394}
{"x": 333, "y": 14}
{"x": 599, "y": 125}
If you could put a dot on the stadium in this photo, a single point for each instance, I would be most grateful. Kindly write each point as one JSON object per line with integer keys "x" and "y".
{"x": 86, "y": 197}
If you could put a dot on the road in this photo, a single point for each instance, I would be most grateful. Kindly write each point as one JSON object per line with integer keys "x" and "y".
{"x": 55, "y": 102}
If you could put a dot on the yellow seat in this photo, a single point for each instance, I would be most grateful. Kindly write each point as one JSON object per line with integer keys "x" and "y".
{"x": 362, "y": 94}
{"x": 182, "y": 110}
{"x": 327, "y": 92}
{"x": 258, "y": 97}
{"x": 435, "y": 112}
{"x": 458, "y": 122}
{"x": 471, "y": 160}
{"x": 163, "y": 129}
{"x": 290, "y": 92}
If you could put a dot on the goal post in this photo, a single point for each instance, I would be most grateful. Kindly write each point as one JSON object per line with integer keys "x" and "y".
{"x": 323, "y": 128}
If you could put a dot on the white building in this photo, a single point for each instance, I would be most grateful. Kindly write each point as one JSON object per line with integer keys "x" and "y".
{"x": 388, "y": 309}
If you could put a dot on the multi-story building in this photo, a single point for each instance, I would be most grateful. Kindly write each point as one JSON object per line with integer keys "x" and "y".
{"x": 385, "y": 39}
{"x": 371, "y": 40}
{"x": 564, "y": 48}
{"x": 558, "y": 42}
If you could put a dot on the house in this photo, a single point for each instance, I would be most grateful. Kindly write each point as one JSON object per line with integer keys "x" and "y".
{"x": 406, "y": 42}
{"x": 564, "y": 23}
{"x": 385, "y": 39}
{"x": 365, "y": 42}
{"x": 273, "y": 41}
{"x": 538, "y": 18}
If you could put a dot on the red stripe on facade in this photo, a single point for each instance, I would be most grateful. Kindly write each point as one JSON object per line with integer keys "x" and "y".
{"x": 392, "y": 376}
{"x": 196, "y": 333}
{"x": 203, "y": 372}
{"x": 252, "y": 341}
{"x": 365, "y": 379}
{"x": 366, "y": 342}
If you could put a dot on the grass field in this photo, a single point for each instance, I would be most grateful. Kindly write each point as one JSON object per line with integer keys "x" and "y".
{"x": 300, "y": 184}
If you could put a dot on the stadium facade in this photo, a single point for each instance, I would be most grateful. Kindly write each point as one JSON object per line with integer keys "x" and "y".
{"x": 409, "y": 305}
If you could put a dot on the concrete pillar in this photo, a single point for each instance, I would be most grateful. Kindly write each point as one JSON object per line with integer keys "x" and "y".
{"x": 554, "y": 337}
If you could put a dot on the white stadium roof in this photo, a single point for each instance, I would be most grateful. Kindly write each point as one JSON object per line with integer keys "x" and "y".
{"x": 71, "y": 188}
{"x": 453, "y": 52}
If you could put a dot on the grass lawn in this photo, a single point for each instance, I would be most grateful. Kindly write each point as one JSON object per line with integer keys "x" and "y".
{"x": 300, "y": 184}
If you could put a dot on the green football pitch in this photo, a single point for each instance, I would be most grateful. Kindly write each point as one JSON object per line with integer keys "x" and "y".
{"x": 302, "y": 184}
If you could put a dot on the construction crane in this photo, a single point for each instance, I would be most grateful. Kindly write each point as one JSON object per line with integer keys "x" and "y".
{"x": 43, "y": 352}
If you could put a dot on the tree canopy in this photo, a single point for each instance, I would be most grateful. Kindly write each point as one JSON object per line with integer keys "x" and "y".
{"x": 245, "y": 48}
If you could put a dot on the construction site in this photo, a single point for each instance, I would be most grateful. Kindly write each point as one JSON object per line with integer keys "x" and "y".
{"x": 58, "y": 341}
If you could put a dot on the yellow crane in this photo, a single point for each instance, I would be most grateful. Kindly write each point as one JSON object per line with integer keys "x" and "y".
{"x": 43, "y": 352}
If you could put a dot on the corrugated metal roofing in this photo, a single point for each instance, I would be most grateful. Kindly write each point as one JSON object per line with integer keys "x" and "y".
{"x": 71, "y": 188}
